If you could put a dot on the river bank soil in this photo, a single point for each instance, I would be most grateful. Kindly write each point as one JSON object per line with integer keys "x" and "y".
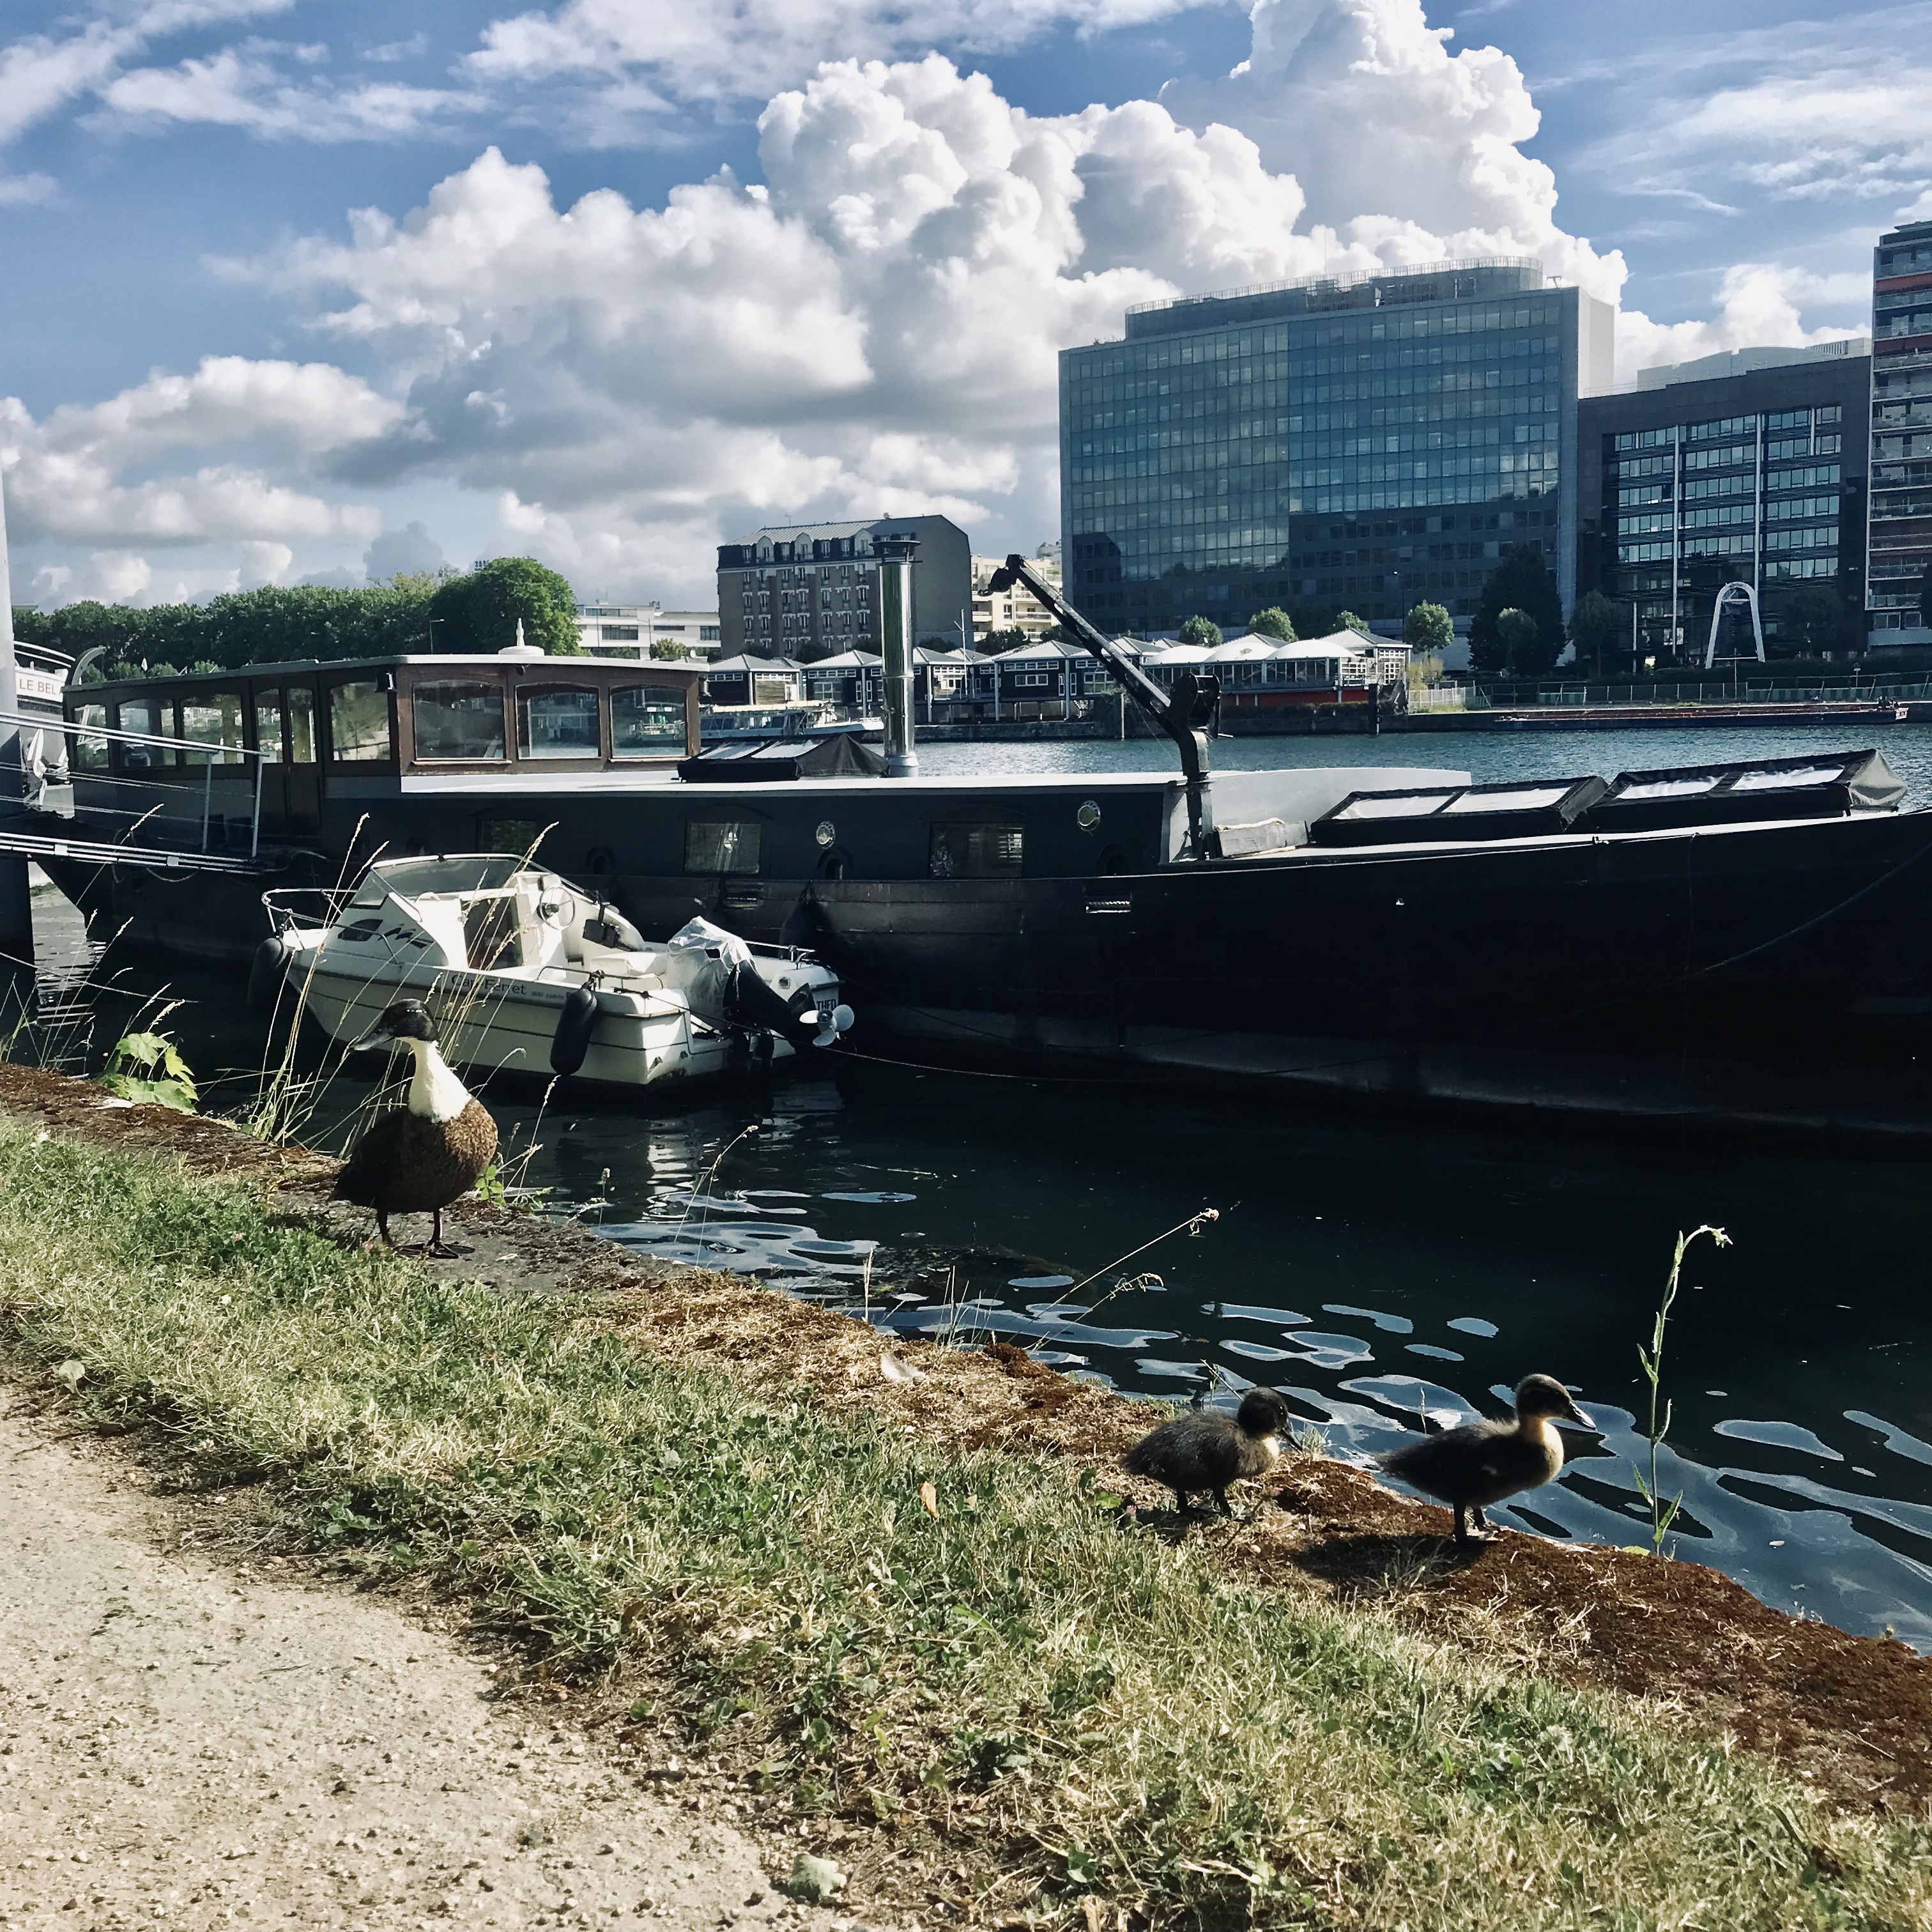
{"x": 1850, "y": 1717}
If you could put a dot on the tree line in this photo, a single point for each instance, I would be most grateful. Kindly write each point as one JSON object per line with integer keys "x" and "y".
{"x": 1518, "y": 629}
{"x": 474, "y": 611}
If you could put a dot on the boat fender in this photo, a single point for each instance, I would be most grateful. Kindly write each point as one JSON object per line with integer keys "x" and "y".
{"x": 574, "y": 1025}
{"x": 265, "y": 976}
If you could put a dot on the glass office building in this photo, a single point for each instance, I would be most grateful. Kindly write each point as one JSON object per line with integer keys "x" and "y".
{"x": 1692, "y": 481}
{"x": 1900, "y": 531}
{"x": 1368, "y": 441}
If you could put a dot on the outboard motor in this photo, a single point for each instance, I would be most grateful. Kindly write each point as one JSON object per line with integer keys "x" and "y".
{"x": 571, "y": 1043}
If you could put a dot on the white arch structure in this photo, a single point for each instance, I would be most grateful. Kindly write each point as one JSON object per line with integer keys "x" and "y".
{"x": 1748, "y": 592}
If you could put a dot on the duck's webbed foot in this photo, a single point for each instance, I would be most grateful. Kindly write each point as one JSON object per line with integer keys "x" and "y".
{"x": 1466, "y": 1537}
{"x": 437, "y": 1249}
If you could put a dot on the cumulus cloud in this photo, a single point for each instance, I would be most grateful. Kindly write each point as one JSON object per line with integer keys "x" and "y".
{"x": 872, "y": 327}
{"x": 67, "y": 475}
{"x": 411, "y": 550}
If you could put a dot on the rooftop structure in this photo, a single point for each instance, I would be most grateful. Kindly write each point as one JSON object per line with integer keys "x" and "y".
{"x": 645, "y": 630}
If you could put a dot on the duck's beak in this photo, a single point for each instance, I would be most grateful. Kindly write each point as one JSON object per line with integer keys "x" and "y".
{"x": 1573, "y": 1413}
{"x": 378, "y": 1035}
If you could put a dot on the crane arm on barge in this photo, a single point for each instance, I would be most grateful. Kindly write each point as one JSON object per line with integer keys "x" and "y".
{"x": 1171, "y": 714}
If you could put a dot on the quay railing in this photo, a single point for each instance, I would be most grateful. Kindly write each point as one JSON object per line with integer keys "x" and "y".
{"x": 35, "y": 730}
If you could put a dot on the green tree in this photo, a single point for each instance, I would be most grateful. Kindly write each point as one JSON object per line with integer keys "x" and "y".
{"x": 1516, "y": 638}
{"x": 479, "y": 612}
{"x": 668, "y": 649}
{"x": 1011, "y": 639}
{"x": 1597, "y": 629}
{"x": 1520, "y": 581}
{"x": 1201, "y": 631}
{"x": 1429, "y": 629}
{"x": 1274, "y": 622}
{"x": 1347, "y": 620}
{"x": 1812, "y": 620}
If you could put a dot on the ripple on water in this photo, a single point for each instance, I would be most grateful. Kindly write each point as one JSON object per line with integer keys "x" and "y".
{"x": 1896, "y": 1439}
{"x": 1472, "y": 1325}
{"x": 1041, "y": 1281}
{"x": 1778, "y": 1436}
{"x": 880, "y": 1199}
{"x": 1393, "y": 1324}
{"x": 1330, "y": 1352}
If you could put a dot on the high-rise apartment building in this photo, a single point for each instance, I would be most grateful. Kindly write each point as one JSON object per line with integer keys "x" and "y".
{"x": 811, "y": 590}
{"x": 1694, "y": 479}
{"x": 1899, "y": 532}
{"x": 1371, "y": 441}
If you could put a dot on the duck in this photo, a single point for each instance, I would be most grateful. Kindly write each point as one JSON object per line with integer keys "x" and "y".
{"x": 417, "y": 1158}
{"x": 1482, "y": 1463}
{"x": 1207, "y": 1450}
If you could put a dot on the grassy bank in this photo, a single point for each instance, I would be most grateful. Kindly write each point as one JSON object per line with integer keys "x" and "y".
{"x": 1022, "y": 1690}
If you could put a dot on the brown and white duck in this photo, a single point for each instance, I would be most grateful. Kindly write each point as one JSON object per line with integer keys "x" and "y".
{"x": 418, "y": 1158}
{"x": 1205, "y": 1450}
{"x": 1483, "y": 1463}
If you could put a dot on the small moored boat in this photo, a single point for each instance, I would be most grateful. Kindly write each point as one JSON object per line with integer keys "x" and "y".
{"x": 530, "y": 974}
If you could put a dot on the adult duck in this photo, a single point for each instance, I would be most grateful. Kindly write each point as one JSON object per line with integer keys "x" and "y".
{"x": 417, "y": 1158}
{"x": 1480, "y": 1464}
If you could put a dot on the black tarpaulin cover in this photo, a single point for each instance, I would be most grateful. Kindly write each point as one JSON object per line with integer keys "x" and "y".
{"x": 837, "y": 754}
{"x": 1826, "y": 784}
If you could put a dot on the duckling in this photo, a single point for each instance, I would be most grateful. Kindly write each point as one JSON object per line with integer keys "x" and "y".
{"x": 1205, "y": 1450}
{"x": 417, "y": 1158}
{"x": 1482, "y": 1463}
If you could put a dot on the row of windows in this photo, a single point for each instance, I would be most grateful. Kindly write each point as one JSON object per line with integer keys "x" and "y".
{"x": 452, "y": 719}
{"x": 975, "y": 849}
{"x": 1728, "y": 427}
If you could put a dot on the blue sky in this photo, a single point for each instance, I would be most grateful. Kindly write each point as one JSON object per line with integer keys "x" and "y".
{"x": 800, "y": 289}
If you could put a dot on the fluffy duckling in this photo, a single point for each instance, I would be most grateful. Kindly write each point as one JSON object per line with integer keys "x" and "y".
{"x": 417, "y": 1158}
{"x": 1205, "y": 1450}
{"x": 1482, "y": 1463}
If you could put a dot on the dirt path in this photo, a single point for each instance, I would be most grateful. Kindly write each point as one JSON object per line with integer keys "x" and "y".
{"x": 183, "y": 1745}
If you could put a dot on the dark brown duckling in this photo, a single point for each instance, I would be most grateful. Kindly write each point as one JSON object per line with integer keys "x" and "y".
{"x": 1206, "y": 1449}
{"x": 417, "y": 1158}
{"x": 1482, "y": 1463}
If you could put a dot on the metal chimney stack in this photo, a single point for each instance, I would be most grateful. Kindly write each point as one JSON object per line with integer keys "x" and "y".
{"x": 895, "y": 559}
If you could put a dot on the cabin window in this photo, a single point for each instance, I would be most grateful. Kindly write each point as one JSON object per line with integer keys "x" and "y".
{"x": 301, "y": 725}
{"x": 981, "y": 851}
{"x": 770, "y": 689}
{"x": 268, "y": 726}
{"x": 520, "y": 837}
{"x": 358, "y": 724}
{"x": 721, "y": 845}
{"x": 459, "y": 718}
{"x": 557, "y": 724}
{"x": 492, "y": 937}
{"x": 89, "y": 753}
{"x": 647, "y": 720}
{"x": 212, "y": 718}
{"x": 140, "y": 714}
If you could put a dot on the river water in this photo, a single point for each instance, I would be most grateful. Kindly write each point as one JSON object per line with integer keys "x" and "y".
{"x": 1367, "y": 1269}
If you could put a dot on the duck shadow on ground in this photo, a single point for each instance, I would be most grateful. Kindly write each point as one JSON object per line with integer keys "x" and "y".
{"x": 1372, "y": 1565}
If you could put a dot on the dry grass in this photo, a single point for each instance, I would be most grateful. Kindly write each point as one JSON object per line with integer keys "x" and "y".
{"x": 1026, "y": 1690}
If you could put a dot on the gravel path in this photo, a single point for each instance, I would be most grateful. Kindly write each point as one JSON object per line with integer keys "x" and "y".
{"x": 186, "y": 1746}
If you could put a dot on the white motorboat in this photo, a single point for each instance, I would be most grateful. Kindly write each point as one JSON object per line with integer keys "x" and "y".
{"x": 528, "y": 973}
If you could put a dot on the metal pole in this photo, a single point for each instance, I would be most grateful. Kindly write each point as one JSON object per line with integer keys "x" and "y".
{"x": 255, "y": 830}
{"x": 16, "y": 899}
{"x": 207, "y": 797}
{"x": 895, "y": 559}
